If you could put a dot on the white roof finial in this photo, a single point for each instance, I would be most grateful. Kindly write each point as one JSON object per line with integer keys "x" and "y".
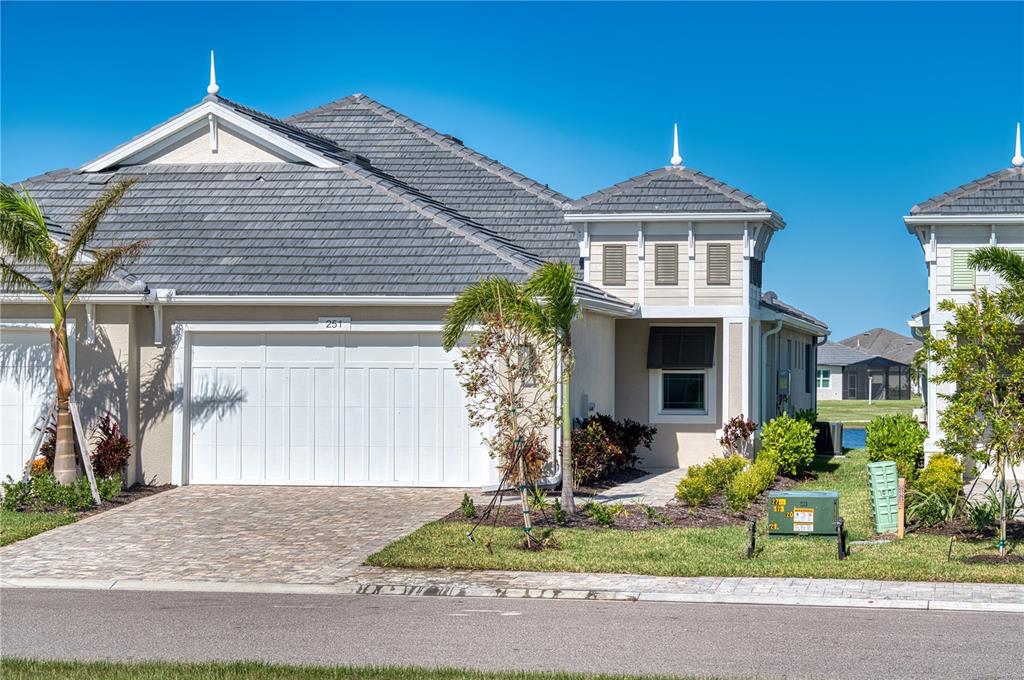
{"x": 676, "y": 159}
{"x": 213, "y": 87}
{"x": 1018, "y": 160}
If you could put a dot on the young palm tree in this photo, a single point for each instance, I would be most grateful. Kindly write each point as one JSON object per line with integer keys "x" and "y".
{"x": 1006, "y": 263}
{"x": 555, "y": 284}
{"x": 25, "y": 241}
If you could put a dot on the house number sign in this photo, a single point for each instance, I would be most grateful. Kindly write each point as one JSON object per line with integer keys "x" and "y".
{"x": 335, "y": 323}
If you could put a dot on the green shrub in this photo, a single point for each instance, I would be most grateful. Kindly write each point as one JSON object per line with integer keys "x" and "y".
{"x": 560, "y": 514}
{"x": 467, "y": 507}
{"x": 929, "y": 509}
{"x": 109, "y": 486}
{"x": 944, "y": 475}
{"x": 601, "y": 445}
{"x": 790, "y": 442}
{"x": 600, "y": 513}
{"x": 746, "y": 486}
{"x": 704, "y": 481}
{"x": 808, "y": 415}
{"x": 897, "y": 437}
{"x": 42, "y": 492}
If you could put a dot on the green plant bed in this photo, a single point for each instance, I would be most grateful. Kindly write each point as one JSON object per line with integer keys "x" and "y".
{"x": 18, "y": 669}
{"x": 718, "y": 551}
{"x": 17, "y": 526}
{"x": 855, "y": 412}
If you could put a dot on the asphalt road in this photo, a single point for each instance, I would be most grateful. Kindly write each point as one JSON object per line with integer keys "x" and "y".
{"x": 669, "y": 638}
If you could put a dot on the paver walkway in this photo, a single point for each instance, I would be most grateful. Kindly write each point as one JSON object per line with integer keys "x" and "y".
{"x": 230, "y": 533}
{"x": 656, "y": 488}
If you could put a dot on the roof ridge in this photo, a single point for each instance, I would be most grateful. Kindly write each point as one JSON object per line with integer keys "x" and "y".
{"x": 964, "y": 190}
{"x": 440, "y": 139}
{"x": 616, "y": 188}
{"x": 749, "y": 200}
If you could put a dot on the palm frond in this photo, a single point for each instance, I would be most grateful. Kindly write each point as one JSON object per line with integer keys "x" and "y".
{"x": 89, "y": 220}
{"x": 12, "y": 280}
{"x": 23, "y": 232}
{"x": 105, "y": 261}
{"x": 555, "y": 284}
{"x": 1006, "y": 263}
{"x": 474, "y": 304}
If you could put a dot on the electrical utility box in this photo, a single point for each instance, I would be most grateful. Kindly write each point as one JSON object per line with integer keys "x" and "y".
{"x": 810, "y": 513}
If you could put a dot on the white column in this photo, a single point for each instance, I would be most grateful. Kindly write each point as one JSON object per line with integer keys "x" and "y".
{"x": 641, "y": 266}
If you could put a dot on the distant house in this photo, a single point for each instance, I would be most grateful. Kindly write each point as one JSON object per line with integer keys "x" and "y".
{"x": 876, "y": 362}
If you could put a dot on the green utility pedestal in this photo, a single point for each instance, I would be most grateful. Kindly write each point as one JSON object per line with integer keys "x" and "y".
{"x": 884, "y": 483}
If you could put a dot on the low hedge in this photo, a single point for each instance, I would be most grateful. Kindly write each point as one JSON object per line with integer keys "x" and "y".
{"x": 790, "y": 442}
{"x": 752, "y": 482}
{"x": 899, "y": 438}
{"x": 704, "y": 481}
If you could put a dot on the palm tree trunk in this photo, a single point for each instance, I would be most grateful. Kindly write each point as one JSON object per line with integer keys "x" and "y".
{"x": 65, "y": 468}
{"x": 568, "y": 500}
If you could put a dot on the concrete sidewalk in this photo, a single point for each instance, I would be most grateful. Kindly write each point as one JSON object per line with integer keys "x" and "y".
{"x": 622, "y": 587}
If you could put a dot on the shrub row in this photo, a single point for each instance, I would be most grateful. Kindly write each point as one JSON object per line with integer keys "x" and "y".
{"x": 42, "y": 492}
{"x": 752, "y": 482}
{"x": 704, "y": 481}
{"x": 898, "y": 438}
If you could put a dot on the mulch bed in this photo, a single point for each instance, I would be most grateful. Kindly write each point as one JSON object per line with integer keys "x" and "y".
{"x": 961, "y": 529}
{"x": 133, "y": 493}
{"x": 993, "y": 559}
{"x": 610, "y": 481}
{"x": 715, "y": 513}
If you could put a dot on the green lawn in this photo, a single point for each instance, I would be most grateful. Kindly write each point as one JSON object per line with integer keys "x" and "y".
{"x": 712, "y": 552}
{"x": 15, "y": 526}
{"x": 17, "y": 669}
{"x": 854, "y": 412}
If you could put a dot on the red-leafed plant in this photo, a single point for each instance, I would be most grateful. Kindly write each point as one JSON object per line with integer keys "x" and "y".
{"x": 737, "y": 435}
{"x": 111, "y": 449}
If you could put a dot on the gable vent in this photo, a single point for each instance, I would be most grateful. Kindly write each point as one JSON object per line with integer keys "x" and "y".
{"x": 614, "y": 264}
{"x": 666, "y": 264}
{"x": 719, "y": 264}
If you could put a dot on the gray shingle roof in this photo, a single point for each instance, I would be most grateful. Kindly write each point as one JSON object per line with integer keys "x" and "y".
{"x": 885, "y": 343}
{"x": 771, "y": 301}
{"x": 479, "y": 187}
{"x": 669, "y": 189}
{"x": 835, "y": 354}
{"x": 1000, "y": 193}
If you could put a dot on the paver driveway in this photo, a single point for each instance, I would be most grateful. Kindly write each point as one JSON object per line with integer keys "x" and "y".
{"x": 239, "y": 534}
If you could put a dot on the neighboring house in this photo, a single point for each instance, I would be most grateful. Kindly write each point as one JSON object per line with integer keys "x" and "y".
{"x": 282, "y": 325}
{"x": 986, "y": 212}
{"x": 875, "y": 364}
{"x": 850, "y": 373}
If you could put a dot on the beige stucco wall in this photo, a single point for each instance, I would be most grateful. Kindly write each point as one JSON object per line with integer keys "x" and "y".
{"x": 593, "y": 377}
{"x": 835, "y": 391}
{"x": 195, "y": 148}
{"x": 781, "y": 357}
{"x": 735, "y": 370}
{"x": 102, "y": 368}
{"x": 676, "y": 445}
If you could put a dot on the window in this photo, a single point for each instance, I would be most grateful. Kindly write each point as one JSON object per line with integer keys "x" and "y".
{"x": 683, "y": 391}
{"x": 681, "y": 347}
{"x": 666, "y": 264}
{"x": 962, "y": 273}
{"x": 614, "y": 264}
{"x": 719, "y": 264}
{"x": 756, "y": 272}
{"x": 824, "y": 378}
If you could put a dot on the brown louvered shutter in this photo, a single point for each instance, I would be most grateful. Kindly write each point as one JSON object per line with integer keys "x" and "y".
{"x": 719, "y": 264}
{"x": 614, "y": 264}
{"x": 666, "y": 264}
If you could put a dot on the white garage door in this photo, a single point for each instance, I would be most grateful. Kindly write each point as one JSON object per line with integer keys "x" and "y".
{"x": 26, "y": 388}
{"x": 324, "y": 409}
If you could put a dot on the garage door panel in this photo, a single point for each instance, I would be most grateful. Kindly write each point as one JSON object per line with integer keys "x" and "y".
{"x": 211, "y": 349}
{"x": 325, "y": 409}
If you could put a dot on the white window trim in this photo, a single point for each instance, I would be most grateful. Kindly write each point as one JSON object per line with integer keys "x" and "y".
{"x": 707, "y": 417}
{"x": 825, "y": 373}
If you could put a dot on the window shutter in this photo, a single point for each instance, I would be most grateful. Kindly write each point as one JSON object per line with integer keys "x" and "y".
{"x": 666, "y": 264}
{"x": 681, "y": 347}
{"x": 962, "y": 273}
{"x": 719, "y": 264}
{"x": 756, "y": 271}
{"x": 614, "y": 264}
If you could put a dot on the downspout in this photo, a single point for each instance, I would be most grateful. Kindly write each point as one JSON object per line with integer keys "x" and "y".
{"x": 764, "y": 355}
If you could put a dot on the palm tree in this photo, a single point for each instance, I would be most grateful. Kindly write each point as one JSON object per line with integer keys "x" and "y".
{"x": 70, "y": 269}
{"x": 555, "y": 284}
{"x": 1006, "y": 263}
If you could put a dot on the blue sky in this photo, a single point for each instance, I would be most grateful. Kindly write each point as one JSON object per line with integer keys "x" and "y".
{"x": 839, "y": 116}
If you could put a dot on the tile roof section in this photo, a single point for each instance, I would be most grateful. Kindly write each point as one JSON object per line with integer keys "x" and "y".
{"x": 486, "y": 191}
{"x": 836, "y": 354}
{"x": 669, "y": 189}
{"x": 885, "y": 343}
{"x": 1000, "y": 193}
{"x": 771, "y": 301}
